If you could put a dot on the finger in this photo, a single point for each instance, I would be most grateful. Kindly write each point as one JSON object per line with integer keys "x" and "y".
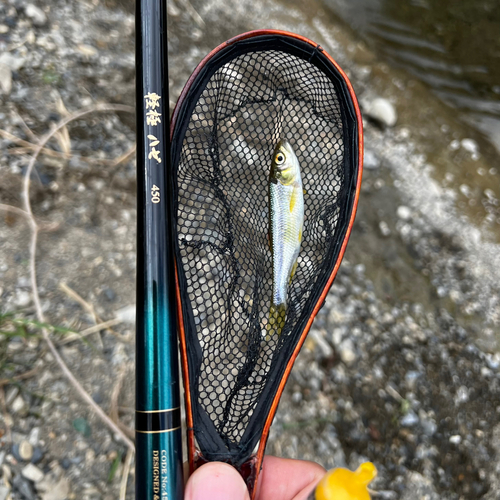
{"x": 216, "y": 481}
{"x": 285, "y": 479}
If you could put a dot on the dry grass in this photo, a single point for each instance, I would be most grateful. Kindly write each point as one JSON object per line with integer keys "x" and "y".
{"x": 61, "y": 134}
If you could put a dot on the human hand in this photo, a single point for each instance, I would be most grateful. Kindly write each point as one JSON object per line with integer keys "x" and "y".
{"x": 280, "y": 479}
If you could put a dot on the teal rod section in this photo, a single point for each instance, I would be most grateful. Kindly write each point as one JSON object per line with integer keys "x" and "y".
{"x": 158, "y": 428}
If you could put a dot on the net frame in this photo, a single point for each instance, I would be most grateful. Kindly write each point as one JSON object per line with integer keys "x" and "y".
{"x": 309, "y": 51}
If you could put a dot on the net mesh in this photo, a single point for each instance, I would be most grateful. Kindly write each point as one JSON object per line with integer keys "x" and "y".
{"x": 222, "y": 176}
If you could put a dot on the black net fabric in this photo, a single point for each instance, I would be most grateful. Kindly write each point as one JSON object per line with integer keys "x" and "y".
{"x": 237, "y": 110}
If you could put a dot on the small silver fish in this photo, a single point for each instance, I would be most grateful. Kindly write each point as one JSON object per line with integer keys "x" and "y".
{"x": 286, "y": 220}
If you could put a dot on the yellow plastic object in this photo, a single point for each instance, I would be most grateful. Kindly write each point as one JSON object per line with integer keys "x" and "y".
{"x": 343, "y": 484}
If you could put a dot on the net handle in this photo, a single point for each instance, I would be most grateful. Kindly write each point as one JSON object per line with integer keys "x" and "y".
{"x": 257, "y": 459}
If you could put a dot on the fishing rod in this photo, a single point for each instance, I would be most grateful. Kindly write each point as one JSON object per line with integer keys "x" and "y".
{"x": 158, "y": 414}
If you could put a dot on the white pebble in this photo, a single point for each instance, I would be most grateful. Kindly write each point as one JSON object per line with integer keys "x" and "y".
{"x": 381, "y": 110}
{"x": 33, "y": 473}
{"x": 5, "y": 79}
{"x": 462, "y": 395}
{"x": 347, "y": 352}
{"x": 23, "y": 298}
{"x": 456, "y": 439}
{"x": 370, "y": 160}
{"x": 25, "y": 450}
{"x": 384, "y": 228}
{"x": 17, "y": 404}
{"x": 36, "y": 14}
{"x": 404, "y": 212}
{"x": 470, "y": 145}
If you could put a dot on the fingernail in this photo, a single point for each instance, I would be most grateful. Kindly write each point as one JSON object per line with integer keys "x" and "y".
{"x": 216, "y": 481}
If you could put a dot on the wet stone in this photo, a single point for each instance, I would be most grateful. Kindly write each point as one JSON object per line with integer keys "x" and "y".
{"x": 381, "y": 111}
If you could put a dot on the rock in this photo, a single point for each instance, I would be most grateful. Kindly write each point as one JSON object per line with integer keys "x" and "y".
{"x": 3, "y": 29}
{"x": 55, "y": 491}
{"x": 381, "y": 111}
{"x": 37, "y": 455}
{"x": 470, "y": 145}
{"x": 15, "y": 63}
{"x": 36, "y": 14}
{"x": 384, "y": 228}
{"x": 65, "y": 463}
{"x": 109, "y": 293}
{"x": 23, "y": 486}
{"x": 456, "y": 439}
{"x": 17, "y": 405}
{"x": 87, "y": 50}
{"x": 462, "y": 395}
{"x": 418, "y": 488}
{"x": 23, "y": 298}
{"x": 25, "y": 451}
{"x": 34, "y": 436}
{"x": 370, "y": 161}
{"x": 347, "y": 352}
{"x": 410, "y": 419}
{"x": 4, "y": 492}
{"x": 5, "y": 79}
{"x": 33, "y": 473}
{"x": 403, "y": 212}
{"x": 82, "y": 426}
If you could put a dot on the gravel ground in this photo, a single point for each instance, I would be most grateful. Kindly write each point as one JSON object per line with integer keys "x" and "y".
{"x": 402, "y": 366}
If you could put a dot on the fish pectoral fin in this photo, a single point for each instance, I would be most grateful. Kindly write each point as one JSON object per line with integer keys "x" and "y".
{"x": 276, "y": 321}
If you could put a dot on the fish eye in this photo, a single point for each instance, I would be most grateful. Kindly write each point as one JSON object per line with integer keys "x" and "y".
{"x": 280, "y": 158}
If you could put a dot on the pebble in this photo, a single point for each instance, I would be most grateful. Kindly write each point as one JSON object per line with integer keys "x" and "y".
{"x": 37, "y": 455}
{"x": 462, "y": 395}
{"x": 456, "y": 439}
{"x": 57, "y": 491}
{"x": 87, "y": 50}
{"x": 17, "y": 405}
{"x": 470, "y": 145}
{"x": 410, "y": 419}
{"x": 23, "y": 298}
{"x": 5, "y": 79}
{"x": 4, "y": 492}
{"x": 403, "y": 212}
{"x": 25, "y": 451}
{"x": 347, "y": 352}
{"x": 23, "y": 486}
{"x": 33, "y": 473}
{"x": 419, "y": 487}
{"x": 15, "y": 63}
{"x": 34, "y": 436}
{"x": 429, "y": 427}
{"x": 3, "y": 29}
{"x": 384, "y": 228}
{"x": 370, "y": 161}
{"x": 36, "y": 14}
{"x": 381, "y": 111}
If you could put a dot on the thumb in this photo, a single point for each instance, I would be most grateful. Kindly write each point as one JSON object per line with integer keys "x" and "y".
{"x": 216, "y": 481}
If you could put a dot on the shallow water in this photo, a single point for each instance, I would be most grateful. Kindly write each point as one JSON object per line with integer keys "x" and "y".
{"x": 451, "y": 45}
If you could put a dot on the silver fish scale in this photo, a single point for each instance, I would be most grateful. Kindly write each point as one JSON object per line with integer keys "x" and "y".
{"x": 285, "y": 229}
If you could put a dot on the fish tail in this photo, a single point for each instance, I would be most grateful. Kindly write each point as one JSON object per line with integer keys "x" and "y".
{"x": 276, "y": 322}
